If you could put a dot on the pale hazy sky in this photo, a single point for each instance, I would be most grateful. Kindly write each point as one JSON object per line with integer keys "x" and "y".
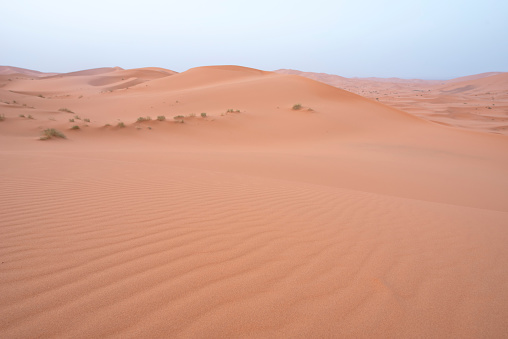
{"x": 431, "y": 39}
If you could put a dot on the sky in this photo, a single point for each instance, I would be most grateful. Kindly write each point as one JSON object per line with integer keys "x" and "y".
{"x": 426, "y": 39}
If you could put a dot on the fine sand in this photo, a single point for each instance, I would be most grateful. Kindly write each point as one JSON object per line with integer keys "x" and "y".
{"x": 344, "y": 218}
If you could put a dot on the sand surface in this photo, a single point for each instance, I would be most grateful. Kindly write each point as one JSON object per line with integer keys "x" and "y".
{"x": 345, "y": 218}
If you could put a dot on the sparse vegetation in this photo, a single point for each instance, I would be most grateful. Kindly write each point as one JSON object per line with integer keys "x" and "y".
{"x": 77, "y": 117}
{"x": 141, "y": 119}
{"x": 86, "y": 120}
{"x": 30, "y": 117}
{"x": 75, "y": 127}
{"x": 121, "y": 124}
{"x": 71, "y": 120}
{"x": 66, "y": 110}
{"x": 107, "y": 125}
{"x": 297, "y": 107}
{"x": 192, "y": 115}
{"x": 51, "y": 133}
{"x": 177, "y": 117}
{"x": 161, "y": 118}
{"x": 41, "y": 96}
{"x": 2, "y": 117}
{"x": 22, "y": 116}
{"x": 310, "y": 109}
{"x": 203, "y": 115}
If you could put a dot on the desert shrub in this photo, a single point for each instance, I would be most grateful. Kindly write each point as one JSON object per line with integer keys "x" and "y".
{"x": 141, "y": 119}
{"x": 22, "y": 116}
{"x": 192, "y": 115}
{"x": 121, "y": 124}
{"x": 30, "y": 117}
{"x": 75, "y": 127}
{"x": 50, "y": 133}
{"x": 86, "y": 120}
{"x": 71, "y": 120}
{"x": 2, "y": 117}
{"x": 161, "y": 118}
{"x": 177, "y": 117}
{"x": 296, "y": 107}
{"x": 203, "y": 115}
{"x": 41, "y": 96}
{"x": 66, "y": 110}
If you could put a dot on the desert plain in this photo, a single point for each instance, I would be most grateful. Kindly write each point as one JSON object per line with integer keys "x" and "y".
{"x": 227, "y": 201}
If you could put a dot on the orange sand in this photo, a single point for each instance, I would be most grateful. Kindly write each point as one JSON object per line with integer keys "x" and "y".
{"x": 346, "y": 218}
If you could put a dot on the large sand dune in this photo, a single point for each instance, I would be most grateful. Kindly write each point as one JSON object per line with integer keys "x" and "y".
{"x": 344, "y": 218}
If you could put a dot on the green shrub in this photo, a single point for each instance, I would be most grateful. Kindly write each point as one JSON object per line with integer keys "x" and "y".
{"x": 71, "y": 120}
{"x": 296, "y": 107}
{"x": 50, "y": 133}
{"x": 86, "y": 120}
{"x": 75, "y": 127}
{"x": 66, "y": 110}
{"x": 161, "y": 118}
{"x": 121, "y": 124}
{"x": 177, "y": 117}
{"x": 141, "y": 119}
{"x": 203, "y": 115}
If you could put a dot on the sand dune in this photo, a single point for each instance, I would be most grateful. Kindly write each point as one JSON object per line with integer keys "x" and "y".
{"x": 16, "y": 71}
{"x": 344, "y": 218}
{"x": 477, "y": 102}
{"x": 473, "y": 77}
